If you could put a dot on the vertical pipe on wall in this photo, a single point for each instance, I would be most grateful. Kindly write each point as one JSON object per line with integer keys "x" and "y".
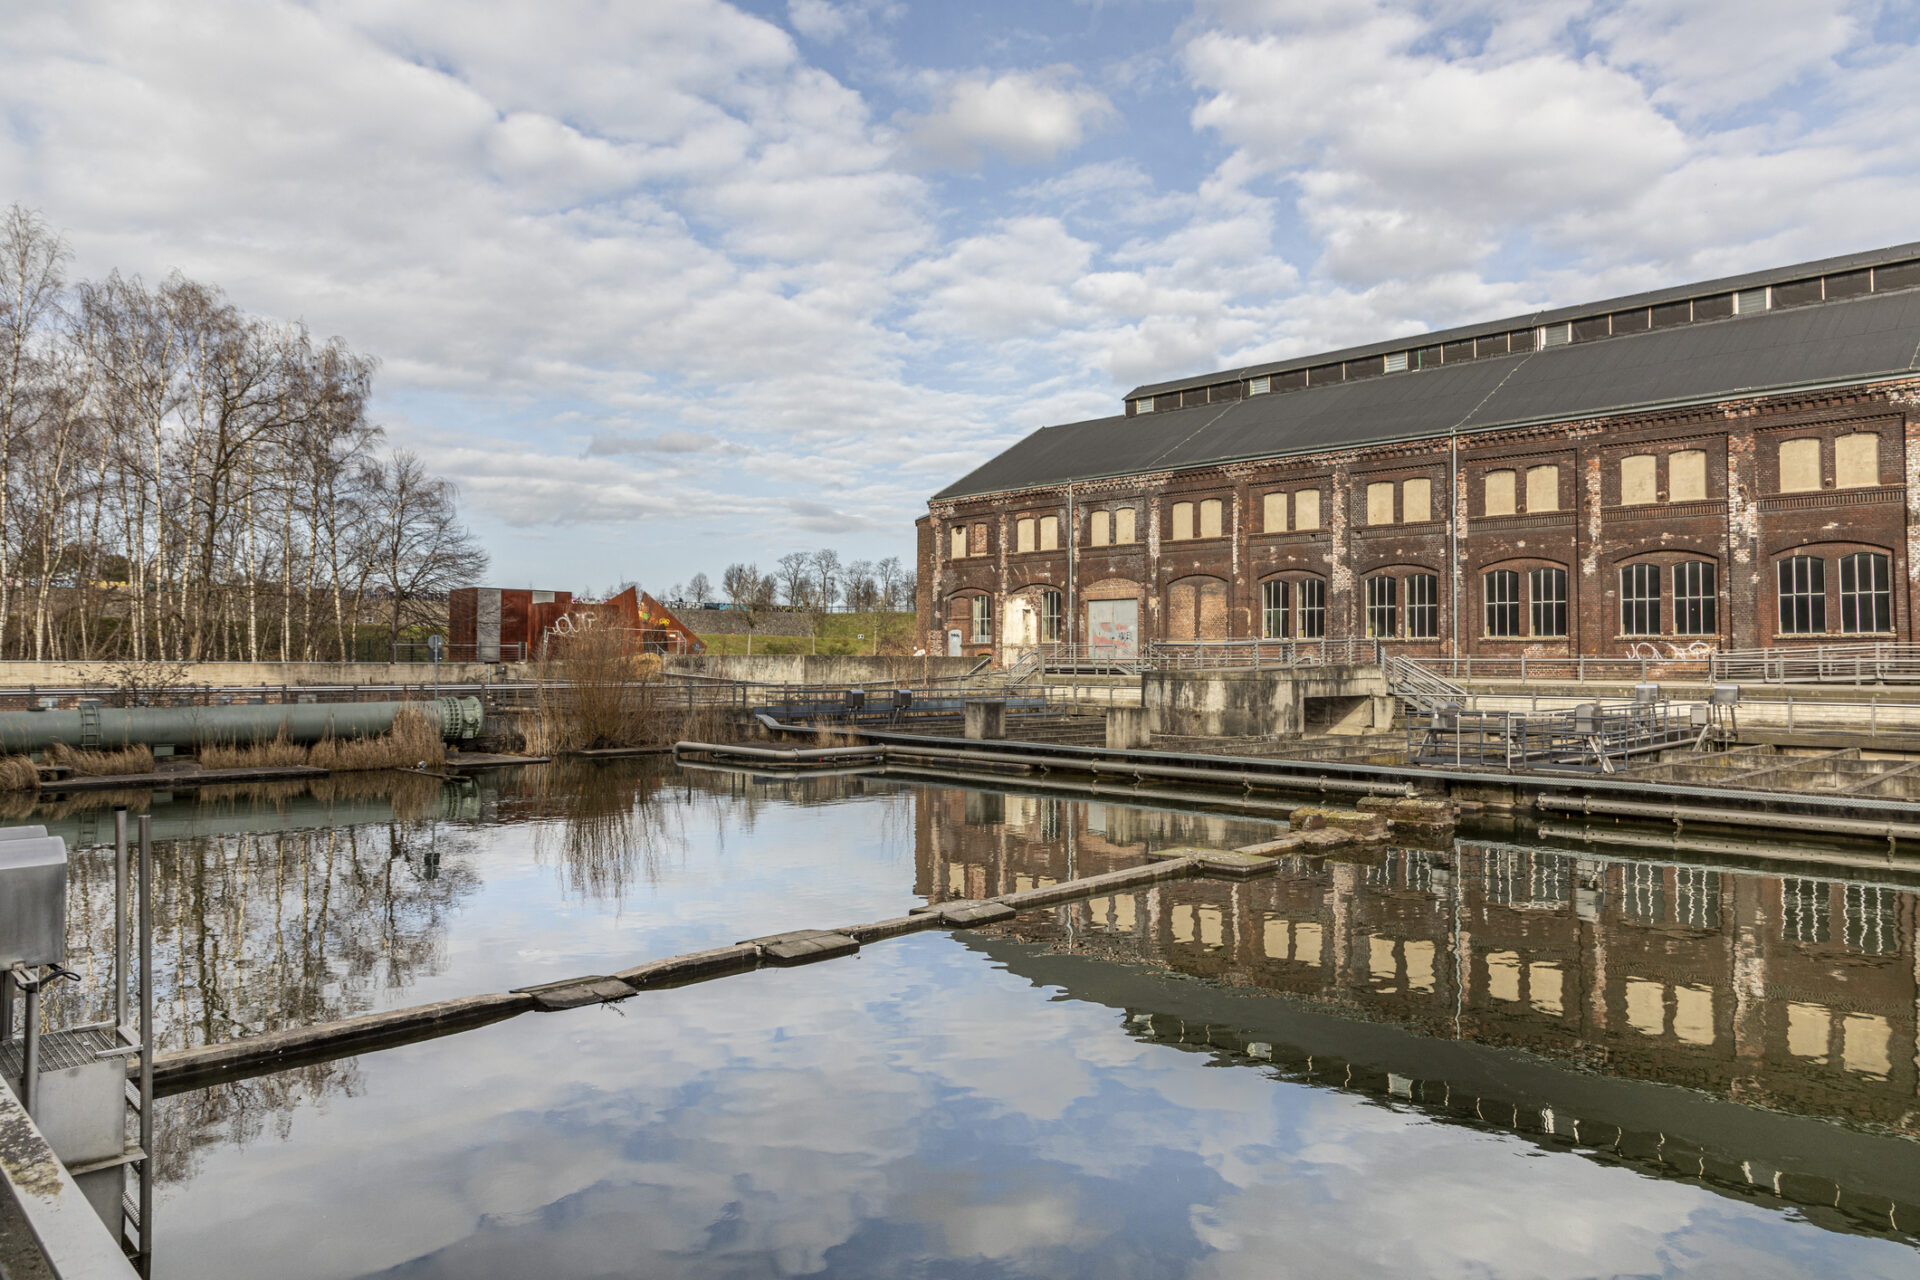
{"x": 1073, "y": 556}
{"x": 1453, "y": 533}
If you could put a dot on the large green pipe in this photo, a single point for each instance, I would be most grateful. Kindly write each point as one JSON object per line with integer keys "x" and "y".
{"x": 219, "y": 726}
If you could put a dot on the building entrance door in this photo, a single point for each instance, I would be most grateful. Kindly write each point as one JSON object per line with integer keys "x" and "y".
{"x": 1113, "y": 629}
{"x": 1020, "y": 630}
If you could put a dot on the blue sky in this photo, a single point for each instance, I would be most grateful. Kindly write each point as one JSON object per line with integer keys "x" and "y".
{"x": 668, "y": 284}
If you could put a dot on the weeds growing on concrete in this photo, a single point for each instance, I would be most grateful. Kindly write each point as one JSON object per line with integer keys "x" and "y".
{"x": 277, "y": 754}
{"x": 413, "y": 740}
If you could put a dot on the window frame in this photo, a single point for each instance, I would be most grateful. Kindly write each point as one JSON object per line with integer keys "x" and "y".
{"x": 1383, "y": 605}
{"x": 1271, "y": 612}
{"x": 1878, "y": 594}
{"x": 1696, "y": 605}
{"x": 1052, "y": 616}
{"x": 1423, "y": 606}
{"x": 1500, "y": 615}
{"x": 1639, "y": 611}
{"x": 1802, "y": 580}
{"x": 982, "y": 618}
{"x": 1310, "y": 614}
{"x": 1552, "y": 605}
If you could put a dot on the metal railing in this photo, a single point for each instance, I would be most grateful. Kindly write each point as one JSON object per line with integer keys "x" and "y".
{"x": 1820, "y": 664}
{"x": 1591, "y": 737}
{"x": 421, "y": 651}
{"x": 1569, "y": 667}
{"x": 1186, "y": 655}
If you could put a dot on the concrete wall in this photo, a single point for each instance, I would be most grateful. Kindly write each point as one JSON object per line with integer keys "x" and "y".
{"x": 803, "y": 668}
{"x": 1256, "y": 703}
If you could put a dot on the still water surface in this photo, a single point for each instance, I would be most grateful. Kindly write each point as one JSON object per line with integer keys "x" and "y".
{"x": 1494, "y": 1057}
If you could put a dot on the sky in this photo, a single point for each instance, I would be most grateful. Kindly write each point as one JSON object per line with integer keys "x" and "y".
{"x": 667, "y": 284}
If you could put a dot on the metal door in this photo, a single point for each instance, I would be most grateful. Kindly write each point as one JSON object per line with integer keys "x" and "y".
{"x": 1113, "y": 628}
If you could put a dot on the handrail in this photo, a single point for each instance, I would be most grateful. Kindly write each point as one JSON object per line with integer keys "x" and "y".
{"x": 1856, "y": 663}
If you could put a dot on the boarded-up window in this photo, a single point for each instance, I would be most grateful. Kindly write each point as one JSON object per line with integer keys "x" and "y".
{"x": 1197, "y": 609}
{"x": 1049, "y": 533}
{"x": 1380, "y": 503}
{"x": 1856, "y": 461}
{"x": 1687, "y": 476}
{"x": 1416, "y": 501}
{"x": 1102, "y": 528}
{"x": 1123, "y": 525}
{"x": 1210, "y": 518}
{"x": 1273, "y": 513}
{"x": 1799, "y": 465}
{"x": 1543, "y": 488}
{"x": 1182, "y": 521}
{"x": 1306, "y": 509}
{"x": 957, "y": 542}
{"x": 977, "y": 544}
{"x": 1639, "y": 482}
{"x": 1023, "y": 534}
{"x": 1499, "y": 493}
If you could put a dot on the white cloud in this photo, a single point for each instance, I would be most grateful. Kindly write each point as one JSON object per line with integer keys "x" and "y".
{"x": 1027, "y": 117}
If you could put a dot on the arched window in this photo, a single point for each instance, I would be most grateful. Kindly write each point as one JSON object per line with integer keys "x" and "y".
{"x": 1049, "y": 533}
{"x": 1100, "y": 528}
{"x": 1023, "y": 534}
{"x": 1182, "y": 521}
{"x": 1276, "y": 599}
{"x": 1416, "y": 501}
{"x": 1123, "y": 520}
{"x": 957, "y": 543}
{"x": 1866, "y": 593}
{"x": 1311, "y": 621}
{"x": 1696, "y": 598}
{"x": 1547, "y": 601}
{"x": 1210, "y": 522}
{"x": 1500, "y": 590}
{"x": 1383, "y": 610}
{"x": 1423, "y": 606}
{"x": 1640, "y": 600}
{"x": 1273, "y": 513}
{"x": 1306, "y": 509}
{"x": 1803, "y": 596}
{"x": 1380, "y": 502}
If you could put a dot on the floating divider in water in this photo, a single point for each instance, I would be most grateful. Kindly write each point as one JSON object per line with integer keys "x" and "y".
{"x": 1313, "y": 832}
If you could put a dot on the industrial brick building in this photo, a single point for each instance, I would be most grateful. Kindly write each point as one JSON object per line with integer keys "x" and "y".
{"x": 1728, "y": 465}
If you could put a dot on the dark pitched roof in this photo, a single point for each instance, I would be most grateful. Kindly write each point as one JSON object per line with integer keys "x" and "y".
{"x": 1489, "y": 328}
{"x": 1859, "y": 340}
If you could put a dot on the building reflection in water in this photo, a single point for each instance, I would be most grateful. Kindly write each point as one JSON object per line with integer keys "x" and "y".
{"x": 286, "y": 906}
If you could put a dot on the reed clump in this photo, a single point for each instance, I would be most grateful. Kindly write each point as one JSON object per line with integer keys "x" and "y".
{"x": 594, "y": 693}
{"x": 19, "y": 773}
{"x": 277, "y": 754}
{"x": 102, "y": 764}
{"x": 412, "y": 742}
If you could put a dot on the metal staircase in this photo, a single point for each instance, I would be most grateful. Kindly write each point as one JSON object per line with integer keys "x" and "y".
{"x": 1420, "y": 689}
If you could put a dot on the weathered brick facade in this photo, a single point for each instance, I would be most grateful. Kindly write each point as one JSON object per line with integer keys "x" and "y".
{"x": 1744, "y": 520}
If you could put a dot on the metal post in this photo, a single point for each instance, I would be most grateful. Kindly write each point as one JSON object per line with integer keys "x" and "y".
{"x": 30, "y": 1060}
{"x": 120, "y": 947}
{"x": 146, "y": 1034}
{"x": 6, "y": 1006}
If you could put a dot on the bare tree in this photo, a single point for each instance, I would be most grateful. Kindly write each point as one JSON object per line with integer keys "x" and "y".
{"x": 420, "y": 551}
{"x": 826, "y": 578}
{"x": 796, "y": 578}
{"x": 698, "y": 588}
{"x": 750, "y": 592}
{"x": 888, "y": 573}
{"x": 32, "y": 259}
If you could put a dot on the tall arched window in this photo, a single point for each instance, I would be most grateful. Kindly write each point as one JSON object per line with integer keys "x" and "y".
{"x": 1696, "y": 598}
{"x": 1547, "y": 601}
{"x": 1803, "y": 596}
{"x": 1499, "y": 493}
{"x": 1276, "y": 599}
{"x": 1383, "y": 611}
{"x": 1423, "y": 606}
{"x": 1640, "y": 600}
{"x": 1501, "y": 591}
{"x": 1866, "y": 593}
{"x": 1311, "y": 621}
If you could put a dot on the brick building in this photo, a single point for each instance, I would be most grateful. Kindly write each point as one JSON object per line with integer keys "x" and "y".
{"x": 1723, "y": 465}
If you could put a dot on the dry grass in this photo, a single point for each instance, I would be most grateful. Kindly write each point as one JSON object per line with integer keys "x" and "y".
{"x": 103, "y": 764}
{"x": 278, "y": 754}
{"x": 413, "y": 742}
{"x": 414, "y": 739}
{"x": 17, "y": 773}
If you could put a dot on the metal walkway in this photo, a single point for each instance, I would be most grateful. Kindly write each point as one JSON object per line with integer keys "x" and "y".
{"x": 1594, "y": 737}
